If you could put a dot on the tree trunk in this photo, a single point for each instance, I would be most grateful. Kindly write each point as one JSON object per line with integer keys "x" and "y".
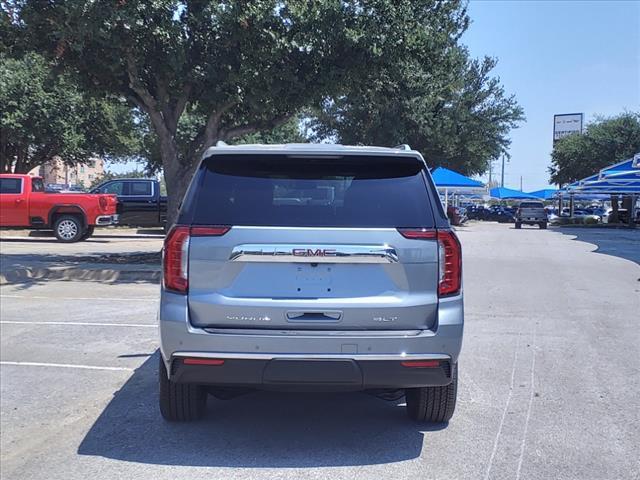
{"x": 177, "y": 176}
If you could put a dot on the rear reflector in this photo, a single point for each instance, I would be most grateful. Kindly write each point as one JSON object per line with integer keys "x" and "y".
{"x": 421, "y": 363}
{"x": 203, "y": 361}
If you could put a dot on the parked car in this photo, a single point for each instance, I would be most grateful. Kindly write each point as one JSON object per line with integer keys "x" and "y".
{"x": 24, "y": 203}
{"x": 139, "y": 201}
{"x": 478, "y": 212}
{"x": 501, "y": 214}
{"x": 363, "y": 292}
{"x": 581, "y": 214}
{"x": 531, "y": 213}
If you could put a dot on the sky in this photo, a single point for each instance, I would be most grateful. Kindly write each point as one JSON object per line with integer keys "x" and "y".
{"x": 557, "y": 57}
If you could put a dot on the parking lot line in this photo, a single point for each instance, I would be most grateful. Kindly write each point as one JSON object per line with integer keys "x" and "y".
{"x": 110, "y": 299}
{"x": 92, "y": 324}
{"x": 65, "y": 365}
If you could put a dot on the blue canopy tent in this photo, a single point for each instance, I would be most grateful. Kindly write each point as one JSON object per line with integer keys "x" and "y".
{"x": 443, "y": 177}
{"x": 622, "y": 178}
{"x": 502, "y": 193}
{"x": 629, "y": 165}
{"x": 448, "y": 181}
{"x": 544, "y": 194}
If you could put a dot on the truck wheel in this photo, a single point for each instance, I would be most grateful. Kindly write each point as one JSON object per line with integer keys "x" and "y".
{"x": 518, "y": 225}
{"x": 433, "y": 404}
{"x": 543, "y": 225}
{"x": 180, "y": 402}
{"x": 68, "y": 228}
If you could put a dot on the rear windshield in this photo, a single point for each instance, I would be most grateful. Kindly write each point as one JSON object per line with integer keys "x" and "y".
{"x": 276, "y": 190}
{"x": 531, "y": 205}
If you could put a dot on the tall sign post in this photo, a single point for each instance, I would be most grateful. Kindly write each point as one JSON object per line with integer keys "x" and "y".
{"x": 566, "y": 124}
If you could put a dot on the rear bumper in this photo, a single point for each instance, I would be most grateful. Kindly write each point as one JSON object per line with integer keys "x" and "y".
{"x": 311, "y": 374}
{"x": 328, "y": 360}
{"x": 531, "y": 220}
{"x": 104, "y": 220}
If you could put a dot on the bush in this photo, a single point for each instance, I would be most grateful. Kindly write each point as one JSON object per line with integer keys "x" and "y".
{"x": 591, "y": 221}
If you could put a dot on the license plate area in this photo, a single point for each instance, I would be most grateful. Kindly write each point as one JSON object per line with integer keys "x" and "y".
{"x": 313, "y": 275}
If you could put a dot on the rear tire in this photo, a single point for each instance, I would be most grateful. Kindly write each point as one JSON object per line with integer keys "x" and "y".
{"x": 88, "y": 232}
{"x": 543, "y": 225}
{"x": 518, "y": 225}
{"x": 433, "y": 404}
{"x": 180, "y": 402}
{"x": 68, "y": 228}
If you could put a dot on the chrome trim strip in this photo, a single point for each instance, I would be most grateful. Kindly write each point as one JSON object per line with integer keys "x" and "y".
{"x": 313, "y": 253}
{"x": 303, "y": 356}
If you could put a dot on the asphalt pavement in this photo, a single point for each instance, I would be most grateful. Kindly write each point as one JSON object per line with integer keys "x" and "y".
{"x": 549, "y": 380}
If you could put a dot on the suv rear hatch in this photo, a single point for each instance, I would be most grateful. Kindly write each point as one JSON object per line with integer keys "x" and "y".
{"x": 311, "y": 243}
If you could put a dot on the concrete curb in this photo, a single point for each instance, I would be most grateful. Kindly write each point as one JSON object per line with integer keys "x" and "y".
{"x": 104, "y": 273}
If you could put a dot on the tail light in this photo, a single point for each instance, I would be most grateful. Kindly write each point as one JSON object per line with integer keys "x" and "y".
{"x": 176, "y": 254}
{"x": 450, "y": 264}
{"x": 449, "y": 257}
{"x": 102, "y": 201}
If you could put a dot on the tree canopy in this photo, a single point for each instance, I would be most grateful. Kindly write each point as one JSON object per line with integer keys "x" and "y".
{"x": 203, "y": 71}
{"x": 605, "y": 141}
{"x": 450, "y": 109}
{"x": 43, "y": 114}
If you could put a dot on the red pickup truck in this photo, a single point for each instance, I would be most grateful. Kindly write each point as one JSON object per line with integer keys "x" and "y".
{"x": 72, "y": 216}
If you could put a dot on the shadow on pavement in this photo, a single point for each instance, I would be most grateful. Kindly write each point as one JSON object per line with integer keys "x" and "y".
{"x": 260, "y": 429}
{"x": 618, "y": 242}
{"x": 28, "y": 270}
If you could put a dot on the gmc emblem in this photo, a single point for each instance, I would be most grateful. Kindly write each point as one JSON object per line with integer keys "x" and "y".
{"x": 310, "y": 252}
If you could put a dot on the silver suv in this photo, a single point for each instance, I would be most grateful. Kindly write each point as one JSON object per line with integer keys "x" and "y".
{"x": 311, "y": 268}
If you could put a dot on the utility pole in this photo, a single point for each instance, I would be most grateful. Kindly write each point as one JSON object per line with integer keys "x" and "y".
{"x": 520, "y": 182}
{"x": 502, "y": 178}
{"x": 490, "y": 171}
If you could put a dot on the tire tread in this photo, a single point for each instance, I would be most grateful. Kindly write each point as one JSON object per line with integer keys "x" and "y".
{"x": 180, "y": 402}
{"x": 433, "y": 404}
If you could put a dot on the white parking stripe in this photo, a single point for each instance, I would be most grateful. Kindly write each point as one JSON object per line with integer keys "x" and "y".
{"x": 92, "y": 324}
{"x": 110, "y": 299}
{"x": 66, "y": 365}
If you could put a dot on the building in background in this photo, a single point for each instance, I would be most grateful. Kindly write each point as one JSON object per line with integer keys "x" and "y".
{"x": 57, "y": 172}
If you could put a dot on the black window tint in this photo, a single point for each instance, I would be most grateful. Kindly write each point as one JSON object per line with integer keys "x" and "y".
{"x": 139, "y": 188}
{"x": 531, "y": 205}
{"x": 10, "y": 185}
{"x": 272, "y": 190}
{"x": 37, "y": 185}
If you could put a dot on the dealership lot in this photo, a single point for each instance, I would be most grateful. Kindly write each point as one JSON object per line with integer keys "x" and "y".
{"x": 548, "y": 389}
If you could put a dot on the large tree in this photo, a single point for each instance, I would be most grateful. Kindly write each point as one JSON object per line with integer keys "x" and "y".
{"x": 44, "y": 114}
{"x": 439, "y": 101}
{"x": 605, "y": 141}
{"x": 203, "y": 71}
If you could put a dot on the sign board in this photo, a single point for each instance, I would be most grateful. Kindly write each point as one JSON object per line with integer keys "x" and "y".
{"x": 566, "y": 124}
